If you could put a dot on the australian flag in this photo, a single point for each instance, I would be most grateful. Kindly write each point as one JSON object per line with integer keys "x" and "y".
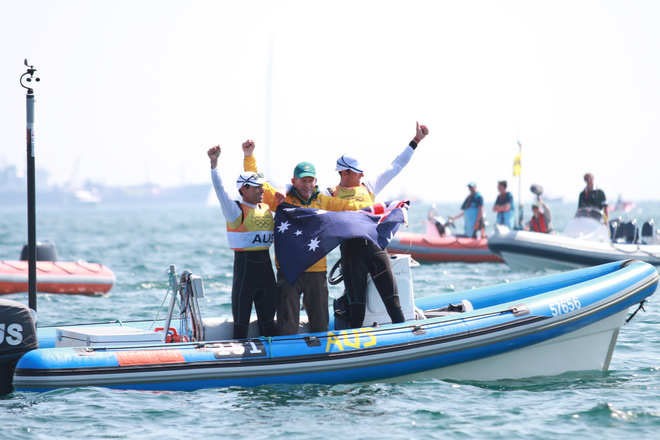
{"x": 304, "y": 235}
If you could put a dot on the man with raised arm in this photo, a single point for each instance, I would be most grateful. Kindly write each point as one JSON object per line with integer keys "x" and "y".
{"x": 360, "y": 256}
{"x": 312, "y": 284}
{"x": 250, "y": 235}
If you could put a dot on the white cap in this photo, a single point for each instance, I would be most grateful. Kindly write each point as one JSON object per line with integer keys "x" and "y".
{"x": 348, "y": 163}
{"x": 249, "y": 178}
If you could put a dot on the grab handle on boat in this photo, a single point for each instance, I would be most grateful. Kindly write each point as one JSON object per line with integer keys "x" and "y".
{"x": 520, "y": 310}
{"x": 336, "y": 279}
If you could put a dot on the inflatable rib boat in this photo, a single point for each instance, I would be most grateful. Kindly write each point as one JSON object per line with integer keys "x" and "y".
{"x": 54, "y": 276}
{"x": 586, "y": 241}
{"x": 74, "y": 277}
{"x": 542, "y": 326}
{"x": 432, "y": 247}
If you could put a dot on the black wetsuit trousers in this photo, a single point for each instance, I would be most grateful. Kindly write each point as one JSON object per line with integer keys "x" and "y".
{"x": 360, "y": 257}
{"x": 314, "y": 288}
{"x": 254, "y": 282}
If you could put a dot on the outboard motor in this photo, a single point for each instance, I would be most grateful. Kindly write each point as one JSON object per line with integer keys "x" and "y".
{"x": 624, "y": 232}
{"x": 18, "y": 335}
{"x": 648, "y": 231}
{"x": 45, "y": 251}
{"x": 441, "y": 225}
{"x": 629, "y": 232}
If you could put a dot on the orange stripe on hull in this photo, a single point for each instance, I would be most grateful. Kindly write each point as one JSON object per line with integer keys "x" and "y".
{"x": 149, "y": 357}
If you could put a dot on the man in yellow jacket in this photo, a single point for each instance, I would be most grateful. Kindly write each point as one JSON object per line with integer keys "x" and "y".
{"x": 312, "y": 284}
{"x": 361, "y": 257}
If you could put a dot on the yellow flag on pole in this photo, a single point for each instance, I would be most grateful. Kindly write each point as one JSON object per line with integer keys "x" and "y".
{"x": 516, "y": 165}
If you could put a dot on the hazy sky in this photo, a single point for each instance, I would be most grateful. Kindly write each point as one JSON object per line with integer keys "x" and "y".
{"x": 136, "y": 91}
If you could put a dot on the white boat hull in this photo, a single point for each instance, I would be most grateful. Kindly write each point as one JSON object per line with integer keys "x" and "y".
{"x": 592, "y": 347}
{"x": 523, "y": 250}
{"x": 534, "y": 263}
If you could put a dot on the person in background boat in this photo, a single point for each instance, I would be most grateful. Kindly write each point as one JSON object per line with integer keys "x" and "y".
{"x": 250, "y": 235}
{"x": 472, "y": 210}
{"x": 360, "y": 257}
{"x": 537, "y": 190}
{"x": 504, "y": 206}
{"x": 538, "y": 222}
{"x": 591, "y": 197}
{"x": 440, "y": 224}
{"x": 313, "y": 283}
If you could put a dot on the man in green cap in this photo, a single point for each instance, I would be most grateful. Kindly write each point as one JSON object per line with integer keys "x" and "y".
{"x": 313, "y": 283}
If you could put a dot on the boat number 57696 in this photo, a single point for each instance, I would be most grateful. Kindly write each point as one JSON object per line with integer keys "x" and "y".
{"x": 565, "y": 305}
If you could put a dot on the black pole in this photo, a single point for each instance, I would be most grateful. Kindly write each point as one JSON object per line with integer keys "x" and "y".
{"x": 27, "y": 77}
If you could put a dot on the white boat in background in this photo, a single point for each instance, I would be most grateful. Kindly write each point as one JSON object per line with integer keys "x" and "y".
{"x": 586, "y": 241}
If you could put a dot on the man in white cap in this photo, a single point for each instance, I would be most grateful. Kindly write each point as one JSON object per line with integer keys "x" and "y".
{"x": 250, "y": 235}
{"x": 360, "y": 256}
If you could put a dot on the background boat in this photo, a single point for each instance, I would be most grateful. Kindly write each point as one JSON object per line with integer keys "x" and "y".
{"x": 585, "y": 241}
{"x": 432, "y": 247}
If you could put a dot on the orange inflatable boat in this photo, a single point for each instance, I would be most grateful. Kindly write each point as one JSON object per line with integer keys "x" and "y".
{"x": 433, "y": 247}
{"x": 79, "y": 277}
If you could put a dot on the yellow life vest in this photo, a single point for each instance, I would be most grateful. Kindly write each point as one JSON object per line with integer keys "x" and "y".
{"x": 253, "y": 230}
{"x": 361, "y": 195}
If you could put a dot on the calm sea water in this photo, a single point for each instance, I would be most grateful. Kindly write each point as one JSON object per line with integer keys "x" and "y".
{"x": 139, "y": 243}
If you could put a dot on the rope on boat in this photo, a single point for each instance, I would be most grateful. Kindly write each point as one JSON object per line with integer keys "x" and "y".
{"x": 640, "y": 307}
{"x": 413, "y": 326}
{"x": 650, "y": 254}
{"x": 638, "y": 249}
{"x": 157, "y": 317}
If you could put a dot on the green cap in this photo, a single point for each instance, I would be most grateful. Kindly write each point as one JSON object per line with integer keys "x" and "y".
{"x": 304, "y": 169}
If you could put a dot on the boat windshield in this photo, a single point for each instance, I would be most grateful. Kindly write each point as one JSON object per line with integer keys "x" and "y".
{"x": 589, "y": 212}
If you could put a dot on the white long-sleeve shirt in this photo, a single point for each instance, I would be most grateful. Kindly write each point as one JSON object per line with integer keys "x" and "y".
{"x": 377, "y": 185}
{"x": 230, "y": 208}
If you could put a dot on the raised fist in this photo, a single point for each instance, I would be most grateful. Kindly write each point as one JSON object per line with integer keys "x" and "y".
{"x": 248, "y": 147}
